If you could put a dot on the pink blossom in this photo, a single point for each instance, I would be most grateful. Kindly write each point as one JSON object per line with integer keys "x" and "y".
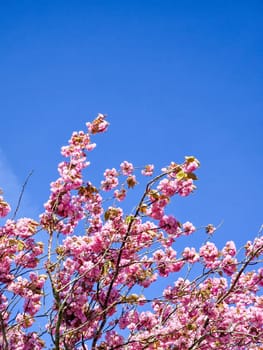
{"x": 191, "y": 164}
{"x": 25, "y": 227}
{"x": 168, "y": 187}
{"x": 148, "y": 170}
{"x": 156, "y": 211}
{"x": 98, "y": 125}
{"x": 209, "y": 254}
{"x": 190, "y": 255}
{"x": 229, "y": 249}
{"x": 126, "y": 168}
{"x": 188, "y": 228}
{"x": 186, "y": 187}
{"x": 169, "y": 224}
{"x": 229, "y": 265}
{"x": 4, "y": 208}
{"x": 111, "y": 179}
{"x": 113, "y": 339}
{"x": 260, "y": 277}
{"x": 120, "y": 195}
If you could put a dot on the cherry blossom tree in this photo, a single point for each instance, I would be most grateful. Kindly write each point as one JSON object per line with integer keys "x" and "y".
{"x": 94, "y": 285}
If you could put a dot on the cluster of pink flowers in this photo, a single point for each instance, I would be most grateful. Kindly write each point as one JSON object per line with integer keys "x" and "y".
{"x": 98, "y": 125}
{"x": 31, "y": 291}
{"x": 127, "y": 168}
{"x": 100, "y": 263}
{"x": 111, "y": 179}
{"x": 4, "y": 207}
{"x": 64, "y": 209}
{"x": 19, "y": 253}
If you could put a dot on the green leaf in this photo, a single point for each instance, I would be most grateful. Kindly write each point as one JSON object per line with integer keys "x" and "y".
{"x": 129, "y": 219}
{"x": 181, "y": 175}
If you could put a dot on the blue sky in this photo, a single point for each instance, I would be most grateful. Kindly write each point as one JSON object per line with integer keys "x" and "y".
{"x": 175, "y": 78}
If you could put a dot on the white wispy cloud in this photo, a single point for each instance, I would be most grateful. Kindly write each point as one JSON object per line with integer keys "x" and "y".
{"x": 12, "y": 187}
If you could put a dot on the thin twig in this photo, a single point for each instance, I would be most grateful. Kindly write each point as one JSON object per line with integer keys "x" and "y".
{"x": 21, "y": 194}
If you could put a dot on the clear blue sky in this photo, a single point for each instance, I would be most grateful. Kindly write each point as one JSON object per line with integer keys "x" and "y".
{"x": 175, "y": 78}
